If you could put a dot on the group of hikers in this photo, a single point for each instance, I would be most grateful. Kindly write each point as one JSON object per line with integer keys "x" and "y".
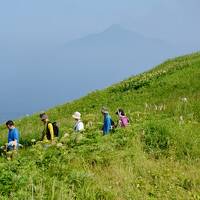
{"x": 51, "y": 130}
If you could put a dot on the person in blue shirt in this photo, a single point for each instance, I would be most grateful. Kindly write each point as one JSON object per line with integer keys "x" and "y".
{"x": 107, "y": 126}
{"x": 13, "y": 136}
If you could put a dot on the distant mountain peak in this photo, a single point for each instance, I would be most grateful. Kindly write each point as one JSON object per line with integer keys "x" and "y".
{"x": 115, "y": 27}
{"x": 116, "y": 37}
{"x": 113, "y": 32}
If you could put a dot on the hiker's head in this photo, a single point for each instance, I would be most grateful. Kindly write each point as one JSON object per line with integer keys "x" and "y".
{"x": 120, "y": 112}
{"x": 44, "y": 117}
{"x": 77, "y": 116}
{"x": 104, "y": 111}
{"x": 10, "y": 124}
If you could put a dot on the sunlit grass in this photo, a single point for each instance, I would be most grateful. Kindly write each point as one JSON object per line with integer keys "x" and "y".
{"x": 156, "y": 157}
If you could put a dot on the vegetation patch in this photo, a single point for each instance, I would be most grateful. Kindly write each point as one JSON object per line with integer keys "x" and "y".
{"x": 155, "y": 157}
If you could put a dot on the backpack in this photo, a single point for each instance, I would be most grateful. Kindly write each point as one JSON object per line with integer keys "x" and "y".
{"x": 124, "y": 121}
{"x": 112, "y": 124}
{"x": 55, "y": 130}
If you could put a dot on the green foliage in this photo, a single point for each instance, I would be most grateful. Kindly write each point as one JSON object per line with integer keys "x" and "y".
{"x": 155, "y": 157}
{"x": 157, "y": 137}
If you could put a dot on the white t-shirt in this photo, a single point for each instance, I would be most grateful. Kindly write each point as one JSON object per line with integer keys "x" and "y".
{"x": 79, "y": 126}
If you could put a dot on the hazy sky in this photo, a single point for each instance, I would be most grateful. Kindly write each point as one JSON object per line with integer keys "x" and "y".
{"x": 57, "y": 21}
{"x": 33, "y": 31}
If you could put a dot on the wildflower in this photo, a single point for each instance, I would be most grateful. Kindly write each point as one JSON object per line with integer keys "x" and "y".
{"x": 89, "y": 124}
{"x": 59, "y": 145}
{"x": 181, "y": 120}
{"x": 33, "y": 140}
{"x": 66, "y": 135}
{"x": 161, "y": 107}
{"x": 184, "y": 99}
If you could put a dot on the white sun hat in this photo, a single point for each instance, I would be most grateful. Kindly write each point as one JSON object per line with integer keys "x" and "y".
{"x": 77, "y": 115}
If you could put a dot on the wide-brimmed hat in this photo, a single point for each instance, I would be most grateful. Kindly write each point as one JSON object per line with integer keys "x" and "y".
{"x": 77, "y": 115}
{"x": 104, "y": 110}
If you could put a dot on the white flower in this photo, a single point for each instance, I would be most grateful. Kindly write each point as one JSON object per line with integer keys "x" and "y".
{"x": 59, "y": 145}
{"x": 66, "y": 135}
{"x": 184, "y": 99}
{"x": 33, "y": 140}
{"x": 161, "y": 107}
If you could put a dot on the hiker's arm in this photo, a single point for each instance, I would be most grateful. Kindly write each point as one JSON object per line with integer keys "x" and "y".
{"x": 15, "y": 139}
{"x": 50, "y": 127}
{"x": 15, "y": 144}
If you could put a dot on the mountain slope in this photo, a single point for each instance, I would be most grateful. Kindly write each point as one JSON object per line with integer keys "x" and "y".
{"x": 156, "y": 157}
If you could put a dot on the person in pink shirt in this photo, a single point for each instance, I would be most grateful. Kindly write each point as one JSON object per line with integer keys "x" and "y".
{"x": 123, "y": 119}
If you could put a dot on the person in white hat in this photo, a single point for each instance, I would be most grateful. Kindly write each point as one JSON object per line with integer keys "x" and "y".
{"x": 79, "y": 126}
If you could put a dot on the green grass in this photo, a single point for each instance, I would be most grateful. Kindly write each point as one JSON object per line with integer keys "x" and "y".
{"x": 156, "y": 157}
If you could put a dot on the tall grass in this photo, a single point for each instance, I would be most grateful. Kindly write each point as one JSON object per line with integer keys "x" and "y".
{"x": 156, "y": 157}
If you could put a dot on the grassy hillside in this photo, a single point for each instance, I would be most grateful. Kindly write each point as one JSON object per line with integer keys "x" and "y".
{"x": 156, "y": 157}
